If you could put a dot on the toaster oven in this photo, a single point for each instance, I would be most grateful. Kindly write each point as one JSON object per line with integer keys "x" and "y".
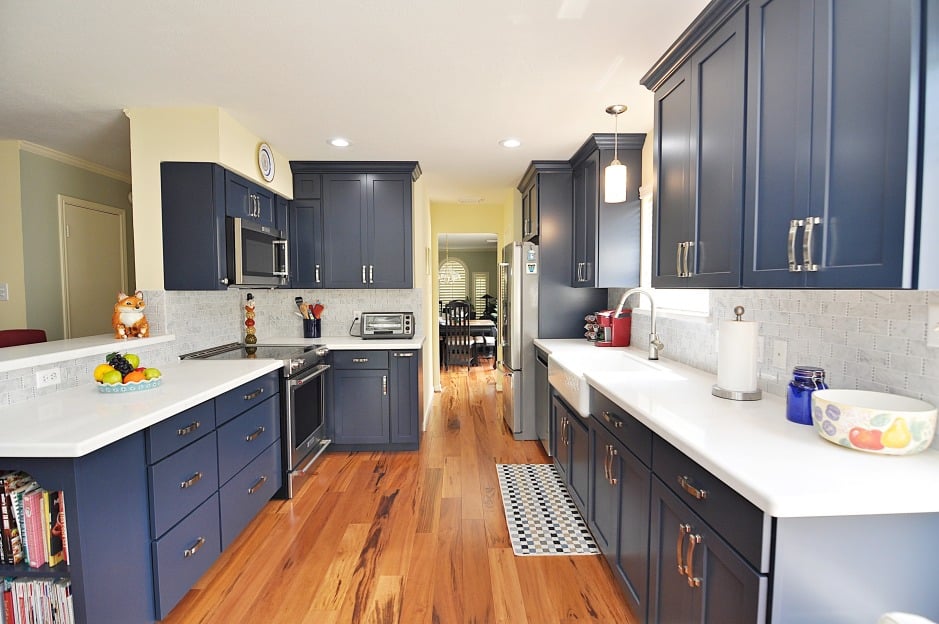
{"x": 387, "y": 325}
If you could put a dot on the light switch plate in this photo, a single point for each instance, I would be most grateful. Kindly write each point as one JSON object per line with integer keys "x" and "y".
{"x": 4, "y": 292}
{"x": 932, "y": 327}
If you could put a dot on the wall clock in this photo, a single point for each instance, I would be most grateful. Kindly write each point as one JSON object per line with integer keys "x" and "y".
{"x": 266, "y": 161}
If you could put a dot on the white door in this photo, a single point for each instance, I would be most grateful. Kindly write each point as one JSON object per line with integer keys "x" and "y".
{"x": 94, "y": 265}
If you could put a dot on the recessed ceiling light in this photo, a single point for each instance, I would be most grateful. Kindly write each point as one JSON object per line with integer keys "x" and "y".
{"x": 471, "y": 199}
{"x": 510, "y": 143}
{"x": 339, "y": 142}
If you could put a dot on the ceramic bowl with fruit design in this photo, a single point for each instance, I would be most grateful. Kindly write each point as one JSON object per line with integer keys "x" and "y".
{"x": 874, "y": 422}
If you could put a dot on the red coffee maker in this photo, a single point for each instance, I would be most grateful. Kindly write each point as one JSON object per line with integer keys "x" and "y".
{"x": 613, "y": 332}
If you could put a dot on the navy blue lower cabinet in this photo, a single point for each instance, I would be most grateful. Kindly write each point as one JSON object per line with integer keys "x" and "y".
{"x": 241, "y": 498}
{"x": 573, "y": 454}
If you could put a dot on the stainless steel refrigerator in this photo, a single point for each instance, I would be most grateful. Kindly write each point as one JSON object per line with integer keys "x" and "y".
{"x": 519, "y": 275}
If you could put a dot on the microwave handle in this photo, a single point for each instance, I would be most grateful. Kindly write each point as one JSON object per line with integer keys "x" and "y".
{"x": 285, "y": 272}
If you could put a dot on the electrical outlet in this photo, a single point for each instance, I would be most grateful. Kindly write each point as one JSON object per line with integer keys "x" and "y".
{"x": 48, "y": 377}
{"x": 932, "y": 327}
{"x": 4, "y": 292}
{"x": 780, "y": 348}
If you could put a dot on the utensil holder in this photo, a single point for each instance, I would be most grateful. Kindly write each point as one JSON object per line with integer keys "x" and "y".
{"x": 312, "y": 328}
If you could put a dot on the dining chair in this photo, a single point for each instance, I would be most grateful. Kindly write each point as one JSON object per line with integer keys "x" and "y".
{"x": 459, "y": 344}
{"x": 16, "y": 337}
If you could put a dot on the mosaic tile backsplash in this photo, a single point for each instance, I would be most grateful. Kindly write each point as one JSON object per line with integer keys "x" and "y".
{"x": 202, "y": 319}
{"x": 864, "y": 339}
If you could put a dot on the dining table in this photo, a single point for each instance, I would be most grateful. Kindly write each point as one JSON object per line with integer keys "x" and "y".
{"x": 478, "y": 327}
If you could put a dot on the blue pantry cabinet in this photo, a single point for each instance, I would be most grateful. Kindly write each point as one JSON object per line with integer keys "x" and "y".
{"x": 820, "y": 100}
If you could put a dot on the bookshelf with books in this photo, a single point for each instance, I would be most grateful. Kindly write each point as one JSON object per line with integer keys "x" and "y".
{"x": 105, "y": 517}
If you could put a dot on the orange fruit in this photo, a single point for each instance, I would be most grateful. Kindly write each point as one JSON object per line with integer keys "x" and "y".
{"x": 134, "y": 376}
{"x": 100, "y": 370}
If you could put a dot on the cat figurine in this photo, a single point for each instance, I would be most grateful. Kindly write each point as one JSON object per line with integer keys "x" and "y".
{"x": 128, "y": 319}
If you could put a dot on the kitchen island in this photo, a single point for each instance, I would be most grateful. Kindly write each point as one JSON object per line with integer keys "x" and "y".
{"x": 802, "y": 529}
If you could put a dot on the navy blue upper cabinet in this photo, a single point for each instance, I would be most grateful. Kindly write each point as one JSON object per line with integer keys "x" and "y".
{"x": 699, "y": 151}
{"x": 248, "y": 200}
{"x": 830, "y": 202}
{"x": 829, "y": 92}
{"x": 363, "y": 238}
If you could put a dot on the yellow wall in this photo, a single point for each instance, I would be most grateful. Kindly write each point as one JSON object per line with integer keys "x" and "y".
{"x": 206, "y": 134}
{"x": 12, "y": 312}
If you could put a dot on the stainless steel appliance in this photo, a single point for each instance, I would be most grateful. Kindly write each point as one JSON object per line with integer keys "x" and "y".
{"x": 387, "y": 325}
{"x": 519, "y": 307}
{"x": 303, "y": 423}
{"x": 257, "y": 254}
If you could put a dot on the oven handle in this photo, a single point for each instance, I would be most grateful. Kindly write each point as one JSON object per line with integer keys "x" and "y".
{"x": 314, "y": 373}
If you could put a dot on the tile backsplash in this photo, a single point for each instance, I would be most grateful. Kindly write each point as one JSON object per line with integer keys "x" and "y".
{"x": 202, "y": 319}
{"x": 864, "y": 339}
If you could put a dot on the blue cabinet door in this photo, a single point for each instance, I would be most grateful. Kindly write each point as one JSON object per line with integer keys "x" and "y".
{"x": 405, "y": 400}
{"x": 586, "y": 176}
{"x": 247, "y": 200}
{"x": 344, "y": 231}
{"x": 388, "y": 246}
{"x": 361, "y": 406}
{"x": 306, "y": 243}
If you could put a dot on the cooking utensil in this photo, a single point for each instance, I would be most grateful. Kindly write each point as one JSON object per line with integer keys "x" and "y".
{"x": 299, "y": 302}
{"x": 318, "y": 310}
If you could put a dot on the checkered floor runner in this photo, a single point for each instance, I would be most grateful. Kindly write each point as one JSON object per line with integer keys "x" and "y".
{"x": 541, "y": 516}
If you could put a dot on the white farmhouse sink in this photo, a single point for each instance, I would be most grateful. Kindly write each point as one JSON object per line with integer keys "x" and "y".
{"x": 566, "y": 372}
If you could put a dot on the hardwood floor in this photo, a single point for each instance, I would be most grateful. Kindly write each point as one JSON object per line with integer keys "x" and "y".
{"x": 411, "y": 538}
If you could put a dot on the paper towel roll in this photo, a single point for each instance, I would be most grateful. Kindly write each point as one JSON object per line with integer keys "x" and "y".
{"x": 736, "y": 356}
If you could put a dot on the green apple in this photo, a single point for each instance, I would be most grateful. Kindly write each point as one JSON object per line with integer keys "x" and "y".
{"x": 111, "y": 377}
{"x": 133, "y": 359}
{"x": 151, "y": 373}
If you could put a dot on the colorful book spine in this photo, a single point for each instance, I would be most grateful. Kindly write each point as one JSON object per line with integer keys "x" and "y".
{"x": 8, "y": 601}
{"x": 32, "y": 503}
{"x": 64, "y": 527}
{"x": 56, "y": 523}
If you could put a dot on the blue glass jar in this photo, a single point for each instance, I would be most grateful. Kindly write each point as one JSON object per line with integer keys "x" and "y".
{"x": 805, "y": 380}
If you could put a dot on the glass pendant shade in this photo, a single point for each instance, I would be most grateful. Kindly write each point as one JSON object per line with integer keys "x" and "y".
{"x": 614, "y": 191}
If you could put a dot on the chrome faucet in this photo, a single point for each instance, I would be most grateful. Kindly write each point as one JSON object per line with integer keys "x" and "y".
{"x": 655, "y": 345}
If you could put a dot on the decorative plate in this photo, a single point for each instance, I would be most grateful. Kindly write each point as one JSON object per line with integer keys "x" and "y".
{"x": 266, "y": 161}
{"x": 131, "y": 386}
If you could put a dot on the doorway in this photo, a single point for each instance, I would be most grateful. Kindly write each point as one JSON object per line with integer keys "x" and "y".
{"x": 94, "y": 264}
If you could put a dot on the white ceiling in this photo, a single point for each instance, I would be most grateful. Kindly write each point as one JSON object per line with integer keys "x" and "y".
{"x": 438, "y": 81}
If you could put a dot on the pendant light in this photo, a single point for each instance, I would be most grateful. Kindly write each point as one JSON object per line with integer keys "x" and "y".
{"x": 614, "y": 190}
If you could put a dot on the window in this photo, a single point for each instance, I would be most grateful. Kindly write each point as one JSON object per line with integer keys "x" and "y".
{"x": 480, "y": 290}
{"x": 452, "y": 280}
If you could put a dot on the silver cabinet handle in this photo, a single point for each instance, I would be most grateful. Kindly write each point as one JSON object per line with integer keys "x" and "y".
{"x": 254, "y": 488}
{"x": 683, "y": 529}
{"x": 384, "y": 385}
{"x": 371, "y": 274}
{"x": 686, "y": 485}
{"x": 189, "y": 428}
{"x": 406, "y": 354}
{"x": 810, "y": 223}
{"x": 688, "y": 246}
{"x": 678, "y": 249}
{"x": 613, "y": 420}
{"x": 316, "y": 272}
{"x": 613, "y": 454}
{"x": 189, "y": 552}
{"x": 794, "y": 226}
{"x": 363, "y": 273}
{"x": 254, "y": 395}
{"x": 191, "y": 481}
{"x": 254, "y": 434}
{"x": 360, "y": 360}
{"x": 693, "y": 581}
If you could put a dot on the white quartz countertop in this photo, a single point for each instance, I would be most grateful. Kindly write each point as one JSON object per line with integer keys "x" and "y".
{"x": 55, "y": 351}
{"x": 783, "y": 468}
{"x": 350, "y": 343}
{"x": 80, "y": 420}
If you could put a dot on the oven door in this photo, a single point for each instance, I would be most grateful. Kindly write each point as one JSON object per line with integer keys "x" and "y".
{"x": 304, "y": 423}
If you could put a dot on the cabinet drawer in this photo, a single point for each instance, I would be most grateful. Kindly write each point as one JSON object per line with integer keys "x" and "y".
{"x": 184, "y": 554}
{"x": 738, "y": 520}
{"x": 176, "y": 432}
{"x": 247, "y": 395}
{"x": 243, "y": 497}
{"x": 181, "y": 482}
{"x": 633, "y": 434}
{"x": 360, "y": 359}
{"x": 243, "y": 438}
{"x": 307, "y": 186}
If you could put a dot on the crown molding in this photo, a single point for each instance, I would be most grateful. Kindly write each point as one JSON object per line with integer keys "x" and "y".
{"x": 62, "y": 157}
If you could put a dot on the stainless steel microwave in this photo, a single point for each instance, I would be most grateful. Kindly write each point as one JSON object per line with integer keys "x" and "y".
{"x": 387, "y": 325}
{"x": 257, "y": 254}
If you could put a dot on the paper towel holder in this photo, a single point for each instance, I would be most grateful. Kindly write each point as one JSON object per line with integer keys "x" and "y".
{"x": 737, "y": 395}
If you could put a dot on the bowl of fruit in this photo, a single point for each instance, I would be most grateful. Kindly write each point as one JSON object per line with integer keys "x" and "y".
{"x": 123, "y": 373}
{"x": 874, "y": 422}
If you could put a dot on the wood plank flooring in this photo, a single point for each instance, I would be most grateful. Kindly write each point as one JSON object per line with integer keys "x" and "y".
{"x": 411, "y": 538}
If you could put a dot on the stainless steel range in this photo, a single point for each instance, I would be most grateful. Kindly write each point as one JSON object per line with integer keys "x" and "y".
{"x": 303, "y": 401}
